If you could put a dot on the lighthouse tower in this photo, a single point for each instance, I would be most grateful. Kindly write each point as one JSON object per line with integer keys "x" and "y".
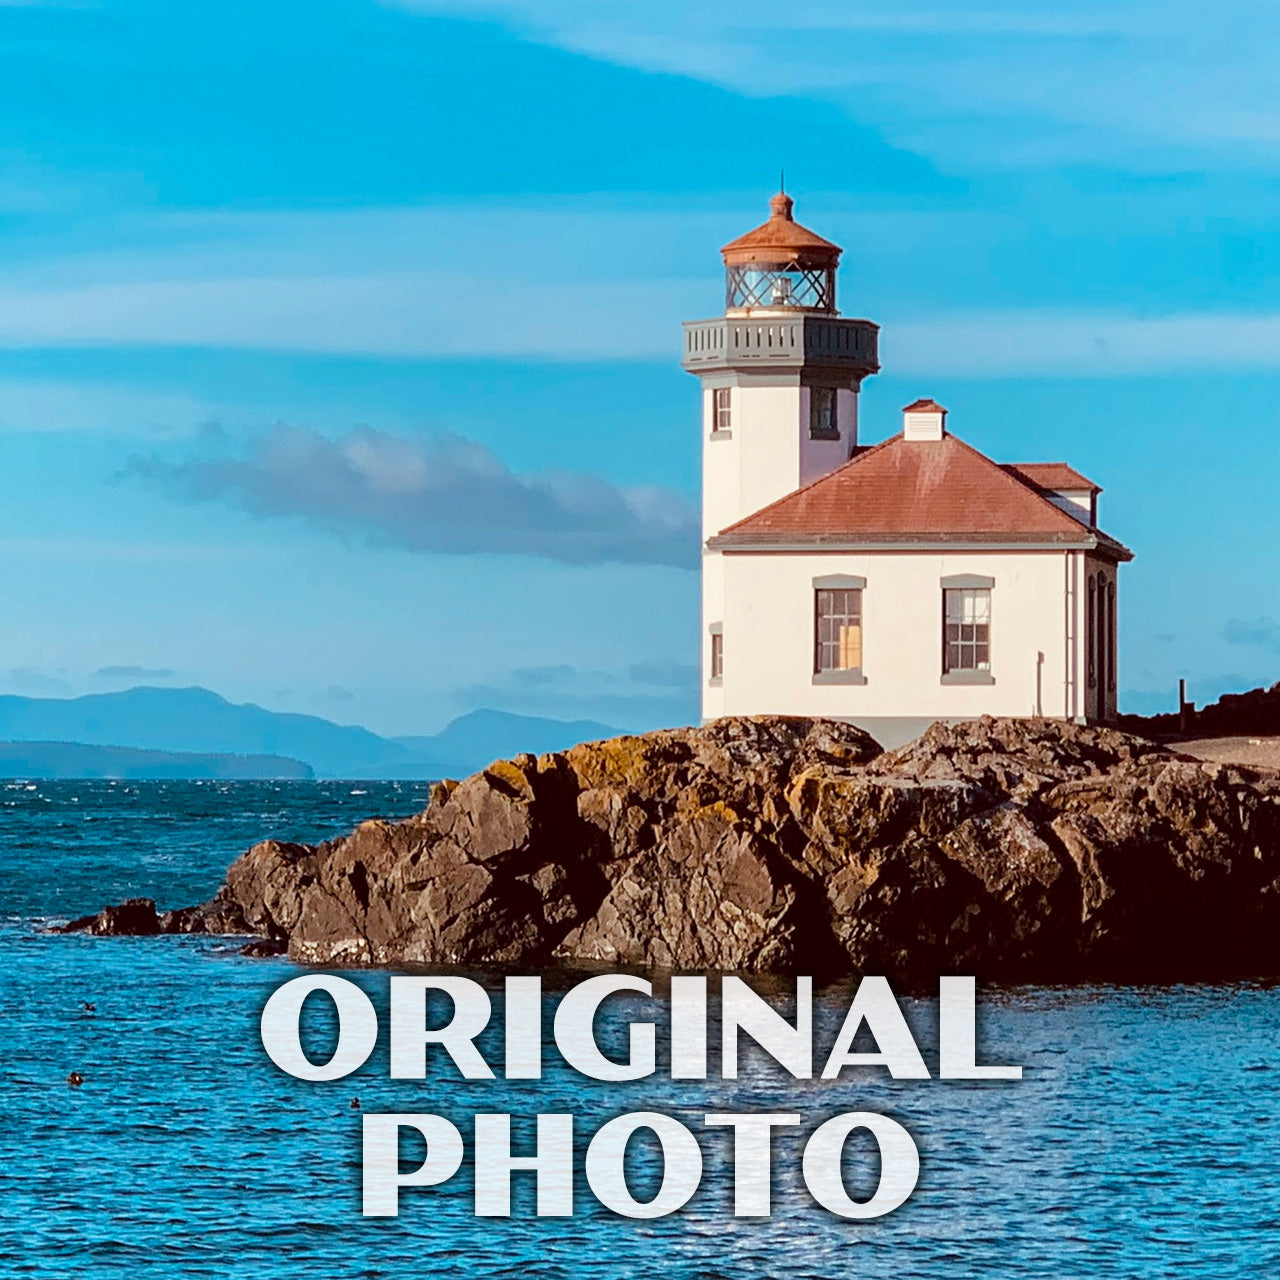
{"x": 780, "y": 374}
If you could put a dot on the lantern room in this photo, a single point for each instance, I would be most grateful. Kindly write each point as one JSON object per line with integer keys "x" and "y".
{"x": 780, "y": 267}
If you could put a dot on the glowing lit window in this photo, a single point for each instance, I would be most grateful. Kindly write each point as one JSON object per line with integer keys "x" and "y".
{"x": 837, "y": 630}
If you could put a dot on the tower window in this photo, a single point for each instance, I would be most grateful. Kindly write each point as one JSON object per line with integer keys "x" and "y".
{"x": 966, "y": 630}
{"x": 822, "y": 414}
{"x": 721, "y": 409}
{"x": 717, "y": 655}
{"x": 837, "y": 630}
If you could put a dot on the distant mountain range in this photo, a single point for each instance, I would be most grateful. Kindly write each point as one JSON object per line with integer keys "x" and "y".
{"x": 219, "y": 735}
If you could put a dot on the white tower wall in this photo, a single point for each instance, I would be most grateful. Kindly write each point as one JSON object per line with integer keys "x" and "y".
{"x": 767, "y": 452}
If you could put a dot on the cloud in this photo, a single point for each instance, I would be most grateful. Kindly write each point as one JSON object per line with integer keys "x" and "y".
{"x": 607, "y": 320}
{"x": 375, "y": 283}
{"x": 449, "y": 495}
{"x": 991, "y": 344}
{"x": 134, "y": 673}
{"x": 337, "y": 693}
{"x": 1263, "y": 633}
{"x": 643, "y": 696}
{"x": 665, "y": 674}
{"x": 438, "y": 315}
{"x": 1148, "y": 82}
{"x": 33, "y": 680}
{"x": 39, "y": 405}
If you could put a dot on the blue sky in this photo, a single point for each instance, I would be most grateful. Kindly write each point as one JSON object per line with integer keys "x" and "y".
{"x": 339, "y": 341}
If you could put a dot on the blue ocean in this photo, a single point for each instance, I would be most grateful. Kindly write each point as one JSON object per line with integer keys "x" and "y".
{"x": 1143, "y": 1140}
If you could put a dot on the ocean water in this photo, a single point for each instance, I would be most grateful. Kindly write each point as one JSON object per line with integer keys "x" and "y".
{"x": 1143, "y": 1141}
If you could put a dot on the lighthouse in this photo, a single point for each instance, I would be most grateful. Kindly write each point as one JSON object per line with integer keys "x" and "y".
{"x": 892, "y": 585}
{"x": 780, "y": 370}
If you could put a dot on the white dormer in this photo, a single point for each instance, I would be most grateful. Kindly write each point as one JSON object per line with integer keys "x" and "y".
{"x": 924, "y": 420}
{"x": 1064, "y": 486}
{"x": 1081, "y": 503}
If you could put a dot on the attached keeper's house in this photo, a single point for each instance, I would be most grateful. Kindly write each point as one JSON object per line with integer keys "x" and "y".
{"x": 893, "y": 585}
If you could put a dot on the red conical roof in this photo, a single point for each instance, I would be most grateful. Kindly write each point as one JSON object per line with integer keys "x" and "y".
{"x": 781, "y": 239}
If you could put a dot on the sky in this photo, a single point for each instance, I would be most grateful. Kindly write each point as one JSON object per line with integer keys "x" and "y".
{"x": 339, "y": 341}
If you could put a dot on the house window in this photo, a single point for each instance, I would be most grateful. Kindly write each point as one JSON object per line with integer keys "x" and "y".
{"x": 966, "y": 636}
{"x": 1091, "y": 631}
{"x": 717, "y": 655}
{"x": 822, "y": 414}
{"x": 1111, "y": 635}
{"x": 838, "y": 630}
{"x": 721, "y": 417}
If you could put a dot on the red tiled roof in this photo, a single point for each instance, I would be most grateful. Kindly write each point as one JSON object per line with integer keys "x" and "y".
{"x": 924, "y": 406}
{"x": 781, "y": 238}
{"x": 1052, "y": 475}
{"x": 914, "y": 490}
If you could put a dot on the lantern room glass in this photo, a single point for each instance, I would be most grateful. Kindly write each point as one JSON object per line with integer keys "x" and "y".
{"x": 781, "y": 286}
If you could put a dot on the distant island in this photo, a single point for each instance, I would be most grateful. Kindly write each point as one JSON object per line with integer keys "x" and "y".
{"x": 73, "y": 760}
{"x": 149, "y": 732}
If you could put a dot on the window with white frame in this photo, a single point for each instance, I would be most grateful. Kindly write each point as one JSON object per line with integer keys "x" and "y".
{"x": 837, "y": 629}
{"x": 966, "y": 629}
{"x": 717, "y": 655}
{"x": 822, "y": 414}
{"x": 721, "y": 409}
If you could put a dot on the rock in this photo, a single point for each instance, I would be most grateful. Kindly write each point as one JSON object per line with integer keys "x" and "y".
{"x": 261, "y": 947}
{"x": 1018, "y": 850}
{"x": 136, "y": 917}
{"x": 1256, "y": 712}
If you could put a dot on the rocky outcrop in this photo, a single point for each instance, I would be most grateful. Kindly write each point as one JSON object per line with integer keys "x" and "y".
{"x": 1013, "y": 849}
{"x": 1255, "y": 712}
{"x": 138, "y": 917}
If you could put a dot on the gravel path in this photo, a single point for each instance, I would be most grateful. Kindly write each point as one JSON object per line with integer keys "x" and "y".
{"x": 1254, "y": 753}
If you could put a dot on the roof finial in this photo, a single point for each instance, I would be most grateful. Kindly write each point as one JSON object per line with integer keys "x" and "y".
{"x": 781, "y": 205}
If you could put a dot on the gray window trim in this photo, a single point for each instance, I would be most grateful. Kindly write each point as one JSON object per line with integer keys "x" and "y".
{"x": 962, "y": 676}
{"x": 824, "y": 433}
{"x": 716, "y": 631}
{"x": 843, "y": 675}
{"x": 959, "y": 582}
{"x": 835, "y": 675}
{"x": 716, "y": 394}
{"x": 722, "y": 435}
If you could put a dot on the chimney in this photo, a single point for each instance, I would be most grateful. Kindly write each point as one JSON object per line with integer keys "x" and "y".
{"x": 924, "y": 420}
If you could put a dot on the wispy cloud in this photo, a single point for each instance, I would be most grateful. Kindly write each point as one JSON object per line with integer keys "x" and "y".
{"x": 1147, "y": 81}
{"x": 643, "y": 696}
{"x": 990, "y": 344}
{"x": 664, "y": 674}
{"x": 126, "y": 672}
{"x": 377, "y": 284}
{"x": 444, "y": 313}
{"x": 607, "y": 320}
{"x": 34, "y": 680}
{"x": 38, "y": 405}
{"x": 1261, "y": 633}
{"x": 448, "y": 495}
